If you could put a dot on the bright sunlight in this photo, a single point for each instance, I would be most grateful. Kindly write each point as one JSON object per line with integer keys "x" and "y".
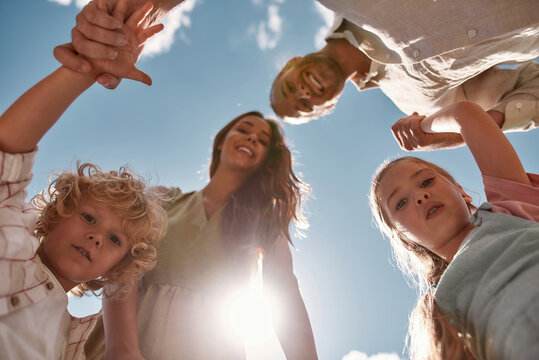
{"x": 250, "y": 312}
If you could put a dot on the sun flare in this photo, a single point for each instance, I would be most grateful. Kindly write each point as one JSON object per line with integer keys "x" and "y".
{"x": 250, "y": 312}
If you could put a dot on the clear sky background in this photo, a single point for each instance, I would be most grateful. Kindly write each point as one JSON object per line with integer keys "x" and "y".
{"x": 218, "y": 60}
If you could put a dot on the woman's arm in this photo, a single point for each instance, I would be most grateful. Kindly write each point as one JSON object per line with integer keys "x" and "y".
{"x": 120, "y": 323}
{"x": 491, "y": 149}
{"x": 291, "y": 320}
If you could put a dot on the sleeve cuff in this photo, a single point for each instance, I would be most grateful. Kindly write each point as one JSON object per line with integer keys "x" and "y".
{"x": 16, "y": 167}
{"x": 520, "y": 115}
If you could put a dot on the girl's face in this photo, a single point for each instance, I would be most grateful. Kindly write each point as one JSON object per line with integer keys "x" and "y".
{"x": 246, "y": 145}
{"x": 425, "y": 206}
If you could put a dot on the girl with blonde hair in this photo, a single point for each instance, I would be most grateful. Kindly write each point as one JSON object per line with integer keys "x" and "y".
{"x": 476, "y": 269}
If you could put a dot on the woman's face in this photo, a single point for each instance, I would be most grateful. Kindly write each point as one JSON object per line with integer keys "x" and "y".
{"x": 246, "y": 145}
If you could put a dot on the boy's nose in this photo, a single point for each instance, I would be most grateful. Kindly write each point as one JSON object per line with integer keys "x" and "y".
{"x": 96, "y": 239}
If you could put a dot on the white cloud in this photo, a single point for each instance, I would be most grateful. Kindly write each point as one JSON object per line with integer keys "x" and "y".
{"x": 61, "y": 2}
{"x": 358, "y": 355}
{"x": 81, "y": 3}
{"x": 174, "y": 20}
{"x": 269, "y": 32}
{"x": 327, "y": 16}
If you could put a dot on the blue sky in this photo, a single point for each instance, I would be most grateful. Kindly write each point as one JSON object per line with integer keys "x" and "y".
{"x": 219, "y": 61}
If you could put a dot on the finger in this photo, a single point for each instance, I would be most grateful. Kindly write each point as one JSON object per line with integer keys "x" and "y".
{"x": 108, "y": 80}
{"x": 92, "y": 49}
{"x": 410, "y": 141}
{"x": 138, "y": 75}
{"x": 139, "y": 15}
{"x": 120, "y": 9}
{"x": 97, "y": 16}
{"x": 102, "y": 5}
{"x": 145, "y": 34}
{"x": 100, "y": 34}
{"x": 396, "y": 134}
{"x": 67, "y": 56}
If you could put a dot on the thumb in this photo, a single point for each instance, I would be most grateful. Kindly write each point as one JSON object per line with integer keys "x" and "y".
{"x": 138, "y": 75}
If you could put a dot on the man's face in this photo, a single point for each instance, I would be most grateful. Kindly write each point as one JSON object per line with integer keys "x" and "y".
{"x": 308, "y": 86}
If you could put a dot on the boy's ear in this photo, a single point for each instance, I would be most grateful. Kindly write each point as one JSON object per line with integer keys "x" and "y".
{"x": 467, "y": 198}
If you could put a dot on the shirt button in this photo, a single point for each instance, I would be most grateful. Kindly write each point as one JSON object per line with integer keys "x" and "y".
{"x": 49, "y": 285}
{"x": 14, "y": 300}
{"x": 472, "y": 33}
{"x": 416, "y": 53}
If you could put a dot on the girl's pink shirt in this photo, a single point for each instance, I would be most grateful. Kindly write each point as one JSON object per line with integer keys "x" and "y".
{"x": 513, "y": 198}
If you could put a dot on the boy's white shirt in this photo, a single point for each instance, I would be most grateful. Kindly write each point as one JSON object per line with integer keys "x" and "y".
{"x": 34, "y": 321}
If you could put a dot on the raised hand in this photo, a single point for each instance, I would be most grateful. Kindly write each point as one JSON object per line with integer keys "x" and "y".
{"x": 411, "y": 137}
{"x": 108, "y": 63}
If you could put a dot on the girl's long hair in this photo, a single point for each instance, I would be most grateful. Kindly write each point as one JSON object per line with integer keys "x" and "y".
{"x": 261, "y": 210}
{"x": 430, "y": 336}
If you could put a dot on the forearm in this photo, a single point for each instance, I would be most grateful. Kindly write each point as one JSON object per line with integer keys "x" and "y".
{"x": 120, "y": 323}
{"x": 25, "y": 122}
{"x": 294, "y": 329}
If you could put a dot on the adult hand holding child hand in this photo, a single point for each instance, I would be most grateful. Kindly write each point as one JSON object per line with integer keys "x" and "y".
{"x": 129, "y": 38}
{"x": 408, "y": 133}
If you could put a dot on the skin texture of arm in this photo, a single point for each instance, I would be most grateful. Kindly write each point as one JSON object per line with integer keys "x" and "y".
{"x": 95, "y": 36}
{"x": 292, "y": 323}
{"x": 120, "y": 323}
{"x": 492, "y": 151}
{"x": 26, "y": 121}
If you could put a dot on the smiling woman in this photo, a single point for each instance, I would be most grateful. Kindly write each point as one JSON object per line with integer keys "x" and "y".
{"x": 210, "y": 252}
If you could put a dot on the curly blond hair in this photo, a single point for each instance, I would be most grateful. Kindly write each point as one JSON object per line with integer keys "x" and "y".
{"x": 143, "y": 218}
{"x": 430, "y": 335}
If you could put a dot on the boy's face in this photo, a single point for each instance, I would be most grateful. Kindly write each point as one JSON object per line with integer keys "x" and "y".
{"x": 86, "y": 245}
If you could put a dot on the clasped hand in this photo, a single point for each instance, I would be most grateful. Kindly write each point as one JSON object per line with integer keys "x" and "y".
{"x": 104, "y": 62}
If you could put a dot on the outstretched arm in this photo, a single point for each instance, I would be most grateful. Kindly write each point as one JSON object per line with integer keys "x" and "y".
{"x": 120, "y": 323}
{"x": 26, "y": 121}
{"x": 490, "y": 148}
{"x": 95, "y": 37}
{"x": 411, "y": 138}
{"x": 292, "y": 323}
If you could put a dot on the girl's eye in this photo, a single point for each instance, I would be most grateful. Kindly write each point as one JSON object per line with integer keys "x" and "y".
{"x": 114, "y": 239}
{"x": 427, "y": 182}
{"x": 242, "y": 131}
{"x": 263, "y": 142}
{"x": 400, "y": 204}
{"x": 88, "y": 218}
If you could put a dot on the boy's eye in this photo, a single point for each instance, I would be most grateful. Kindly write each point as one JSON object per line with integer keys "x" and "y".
{"x": 400, "y": 204}
{"x": 114, "y": 239}
{"x": 427, "y": 182}
{"x": 89, "y": 218}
